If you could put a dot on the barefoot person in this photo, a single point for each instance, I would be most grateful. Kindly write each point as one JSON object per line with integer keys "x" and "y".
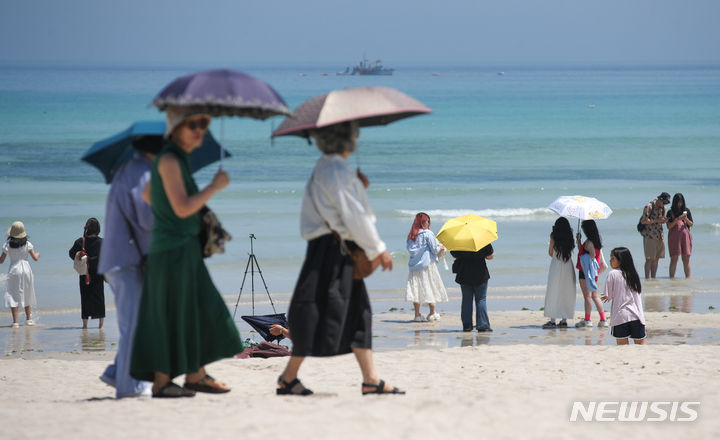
{"x": 680, "y": 220}
{"x": 623, "y": 288}
{"x": 329, "y": 312}
{"x": 92, "y": 285}
{"x": 653, "y": 242}
{"x": 183, "y": 323}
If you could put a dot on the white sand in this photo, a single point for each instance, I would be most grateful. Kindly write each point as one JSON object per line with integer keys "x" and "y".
{"x": 481, "y": 392}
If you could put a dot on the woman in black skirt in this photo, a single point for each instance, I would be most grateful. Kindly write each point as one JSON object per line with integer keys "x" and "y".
{"x": 330, "y": 312}
{"x": 92, "y": 291}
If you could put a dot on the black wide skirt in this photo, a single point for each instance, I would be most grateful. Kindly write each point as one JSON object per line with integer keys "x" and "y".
{"x": 329, "y": 312}
{"x": 92, "y": 297}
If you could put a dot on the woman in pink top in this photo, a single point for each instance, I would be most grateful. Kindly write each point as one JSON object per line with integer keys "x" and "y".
{"x": 679, "y": 222}
{"x": 623, "y": 288}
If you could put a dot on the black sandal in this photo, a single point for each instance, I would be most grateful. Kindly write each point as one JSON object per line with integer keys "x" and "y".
{"x": 380, "y": 389}
{"x": 171, "y": 390}
{"x": 294, "y": 387}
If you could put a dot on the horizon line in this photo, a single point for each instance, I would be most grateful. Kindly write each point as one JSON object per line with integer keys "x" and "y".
{"x": 327, "y": 64}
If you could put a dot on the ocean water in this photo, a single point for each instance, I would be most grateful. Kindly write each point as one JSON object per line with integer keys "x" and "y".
{"x": 501, "y": 146}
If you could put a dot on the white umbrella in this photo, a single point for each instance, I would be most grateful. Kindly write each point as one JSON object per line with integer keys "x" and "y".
{"x": 580, "y": 207}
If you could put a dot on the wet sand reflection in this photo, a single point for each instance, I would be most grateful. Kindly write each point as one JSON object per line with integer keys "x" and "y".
{"x": 92, "y": 341}
{"x": 668, "y": 303}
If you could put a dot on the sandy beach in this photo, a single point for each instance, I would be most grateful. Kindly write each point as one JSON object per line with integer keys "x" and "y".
{"x": 488, "y": 388}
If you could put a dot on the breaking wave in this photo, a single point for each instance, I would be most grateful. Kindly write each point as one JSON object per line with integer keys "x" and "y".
{"x": 505, "y": 213}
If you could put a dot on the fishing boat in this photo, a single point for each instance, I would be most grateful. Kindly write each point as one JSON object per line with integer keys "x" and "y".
{"x": 365, "y": 67}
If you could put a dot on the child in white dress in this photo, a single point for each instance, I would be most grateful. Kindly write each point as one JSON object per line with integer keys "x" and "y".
{"x": 20, "y": 291}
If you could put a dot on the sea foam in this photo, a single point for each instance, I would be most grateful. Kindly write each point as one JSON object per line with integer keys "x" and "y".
{"x": 505, "y": 213}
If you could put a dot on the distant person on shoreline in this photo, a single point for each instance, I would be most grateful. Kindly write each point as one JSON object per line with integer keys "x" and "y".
{"x": 424, "y": 285}
{"x": 183, "y": 323}
{"x": 472, "y": 274}
{"x": 92, "y": 289}
{"x": 329, "y": 312}
{"x": 623, "y": 287}
{"x": 128, "y": 231}
{"x": 679, "y": 222}
{"x": 20, "y": 289}
{"x": 653, "y": 218}
{"x": 560, "y": 291}
{"x": 590, "y": 264}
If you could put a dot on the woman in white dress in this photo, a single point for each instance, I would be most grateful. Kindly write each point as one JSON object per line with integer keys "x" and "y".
{"x": 560, "y": 293}
{"x": 424, "y": 285}
{"x": 20, "y": 291}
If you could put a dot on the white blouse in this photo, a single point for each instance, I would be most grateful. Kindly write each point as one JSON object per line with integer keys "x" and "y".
{"x": 335, "y": 190}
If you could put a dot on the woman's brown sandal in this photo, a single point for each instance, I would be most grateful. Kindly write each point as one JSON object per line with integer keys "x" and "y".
{"x": 294, "y": 388}
{"x": 206, "y": 385}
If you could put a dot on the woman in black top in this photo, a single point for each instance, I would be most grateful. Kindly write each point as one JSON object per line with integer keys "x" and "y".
{"x": 92, "y": 290}
{"x": 472, "y": 275}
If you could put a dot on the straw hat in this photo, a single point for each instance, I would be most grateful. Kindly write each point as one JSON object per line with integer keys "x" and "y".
{"x": 17, "y": 230}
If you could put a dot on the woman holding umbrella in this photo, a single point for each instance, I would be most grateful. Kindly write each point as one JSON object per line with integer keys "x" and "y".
{"x": 330, "y": 312}
{"x": 183, "y": 322}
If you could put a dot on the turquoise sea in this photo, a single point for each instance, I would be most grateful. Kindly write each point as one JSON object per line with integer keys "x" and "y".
{"x": 502, "y": 146}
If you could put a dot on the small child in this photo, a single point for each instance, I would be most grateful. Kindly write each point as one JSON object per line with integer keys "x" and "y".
{"x": 20, "y": 291}
{"x": 623, "y": 288}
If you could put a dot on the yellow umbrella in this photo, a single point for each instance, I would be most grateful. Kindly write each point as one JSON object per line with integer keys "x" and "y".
{"x": 468, "y": 233}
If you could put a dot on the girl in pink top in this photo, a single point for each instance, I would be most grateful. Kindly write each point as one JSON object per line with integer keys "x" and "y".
{"x": 623, "y": 288}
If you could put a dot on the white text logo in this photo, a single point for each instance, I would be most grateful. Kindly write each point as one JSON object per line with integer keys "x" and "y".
{"x": 608, "y": 411}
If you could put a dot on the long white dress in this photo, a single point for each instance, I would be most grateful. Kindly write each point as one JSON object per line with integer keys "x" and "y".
{"x": 561, "y": 290}
{"x": 20, "y": 291}
{"x": 424, "y": 284}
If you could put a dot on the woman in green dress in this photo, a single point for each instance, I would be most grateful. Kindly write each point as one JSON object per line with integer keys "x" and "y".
{"x": 183, "y": 323}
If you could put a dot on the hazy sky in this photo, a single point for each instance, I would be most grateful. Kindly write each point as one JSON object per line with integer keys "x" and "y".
{"x": 292, "y": 32}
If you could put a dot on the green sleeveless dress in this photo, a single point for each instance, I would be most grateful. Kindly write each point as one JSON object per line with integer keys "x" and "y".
{"x": 183, "y": 322}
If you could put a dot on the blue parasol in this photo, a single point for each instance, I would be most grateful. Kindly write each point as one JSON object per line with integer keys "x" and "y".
{"x": 108, "y": 155}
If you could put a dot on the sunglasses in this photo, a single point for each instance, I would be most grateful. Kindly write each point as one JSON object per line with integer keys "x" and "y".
{"x": 202, "y": 124}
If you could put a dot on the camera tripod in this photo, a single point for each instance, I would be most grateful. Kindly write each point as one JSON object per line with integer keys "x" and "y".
{"x": 251, "y": 265}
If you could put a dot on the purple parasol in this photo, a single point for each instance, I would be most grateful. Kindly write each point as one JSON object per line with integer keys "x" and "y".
{"x": 223, "y": 93}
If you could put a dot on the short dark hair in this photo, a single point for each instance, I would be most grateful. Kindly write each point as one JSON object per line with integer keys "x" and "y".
{"x": 664, "y": 197}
